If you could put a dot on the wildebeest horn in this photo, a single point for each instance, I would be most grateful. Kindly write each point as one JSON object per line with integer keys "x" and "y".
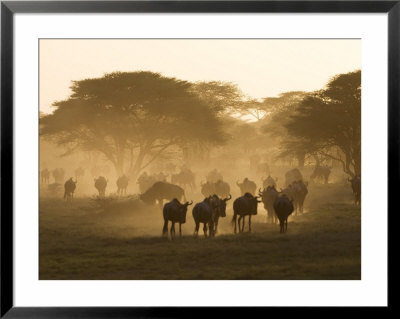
{"x": 191, "y": 202}
{"x": 230, "y": 196}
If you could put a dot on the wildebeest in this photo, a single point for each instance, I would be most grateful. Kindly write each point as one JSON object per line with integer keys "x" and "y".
{"x": 122, "y": 184}
{"x": 58, "y": 175}
{"x": 283, "y": 208}
{"x": 297, "y": 192}
{"x": 101, "y": 183}
{"x": 243, "y": 206}
{"x": 160, "y": 191}
{"x": 205, "y": 213}
{"x": 219, "y": 204}
{"x": 45, "y": 176}
{"x": 222, "y": 189}
{"x": 356, "y": 187}
{"x": 269, "y": 181}
{"x": 207, "y": 189}
{"x": 214, "y": 176}
{"x": 321, "y": 173}
{"x": 79, "y": 172}
{"x": 268, "y": 196}
{"x": 69, "y": 189}
{"x": 302, "y": 192}
{"x": 247, "y": 186}
{"x": 292, "y": 176}
{"x": 175, "y": 212}
{"x": 184, "y": 178}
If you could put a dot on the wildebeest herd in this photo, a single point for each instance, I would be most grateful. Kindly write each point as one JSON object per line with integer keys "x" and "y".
{"x": 217, "y": 192}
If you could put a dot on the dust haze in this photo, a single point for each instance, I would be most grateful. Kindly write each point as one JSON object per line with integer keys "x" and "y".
{"x": 127, "y": 154}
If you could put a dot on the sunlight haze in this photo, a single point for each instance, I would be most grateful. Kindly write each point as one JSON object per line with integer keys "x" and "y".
{"x": 260, "y": 67}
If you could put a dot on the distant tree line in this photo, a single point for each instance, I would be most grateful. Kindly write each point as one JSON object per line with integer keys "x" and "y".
{"x": 133, "y": 118}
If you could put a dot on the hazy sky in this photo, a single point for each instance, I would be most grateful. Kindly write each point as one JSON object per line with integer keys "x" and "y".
{"x": 260, "y": 68}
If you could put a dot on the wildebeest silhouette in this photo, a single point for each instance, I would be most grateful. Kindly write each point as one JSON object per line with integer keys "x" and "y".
{"x": 269, "y": 181}
{"x": 283, "y": 208}
{"x": 292, "y": 176}
{"x": 207, "y": 189}
{"x": 100, "y": 184}
{"x": 122, "y": 184}
{"x": 297, "y": 192}
{"x": 356, "y": 187}
{"x": 222, "y": 189}
{"x": 247, "y": 186}
{"x": 219, "y": 204}
{"x": 160, "y": 191}
{"x": 205, "y": 213}
{"x": 69, "y": 189}
{"x": 175, "y": 212}
{"x": 214, "y": 176}
{"x": 268, "y": 196}
{"x": 245, "y": 205}
{"x": 321, "y": 172}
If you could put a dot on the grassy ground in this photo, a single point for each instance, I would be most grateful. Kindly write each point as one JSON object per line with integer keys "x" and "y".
{"x": 122, "y": 240}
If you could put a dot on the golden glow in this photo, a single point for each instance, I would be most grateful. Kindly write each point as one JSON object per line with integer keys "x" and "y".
{"x": 260, "y": 67}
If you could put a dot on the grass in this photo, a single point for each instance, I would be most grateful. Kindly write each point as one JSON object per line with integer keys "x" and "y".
{"x": 121, "y": 239}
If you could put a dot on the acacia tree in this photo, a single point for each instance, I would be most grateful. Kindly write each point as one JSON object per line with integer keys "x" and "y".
{"x": 226, "y": 98}
{"x": 222, "y": 97}
{"x": 329, "y": 120}
{"x": 279, "y": 111}
{"x": 131, "y": 118}
{"x": 327, "y": 124}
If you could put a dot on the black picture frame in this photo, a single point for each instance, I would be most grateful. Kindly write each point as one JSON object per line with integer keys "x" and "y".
{"x": 9, "y": 8}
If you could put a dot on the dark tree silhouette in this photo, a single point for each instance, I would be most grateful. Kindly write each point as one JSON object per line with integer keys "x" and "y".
{"x": 223, "y": 97}
{"x": 279, "y": 110}
{"x": 131, "y": 118}
{"x": 330, "y": 120}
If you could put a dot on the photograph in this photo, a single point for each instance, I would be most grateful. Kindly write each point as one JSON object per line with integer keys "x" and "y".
{"x": 199, "y": 159}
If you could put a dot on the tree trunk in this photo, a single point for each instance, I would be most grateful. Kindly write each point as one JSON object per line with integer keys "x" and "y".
{"x": 137, "y": 167}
